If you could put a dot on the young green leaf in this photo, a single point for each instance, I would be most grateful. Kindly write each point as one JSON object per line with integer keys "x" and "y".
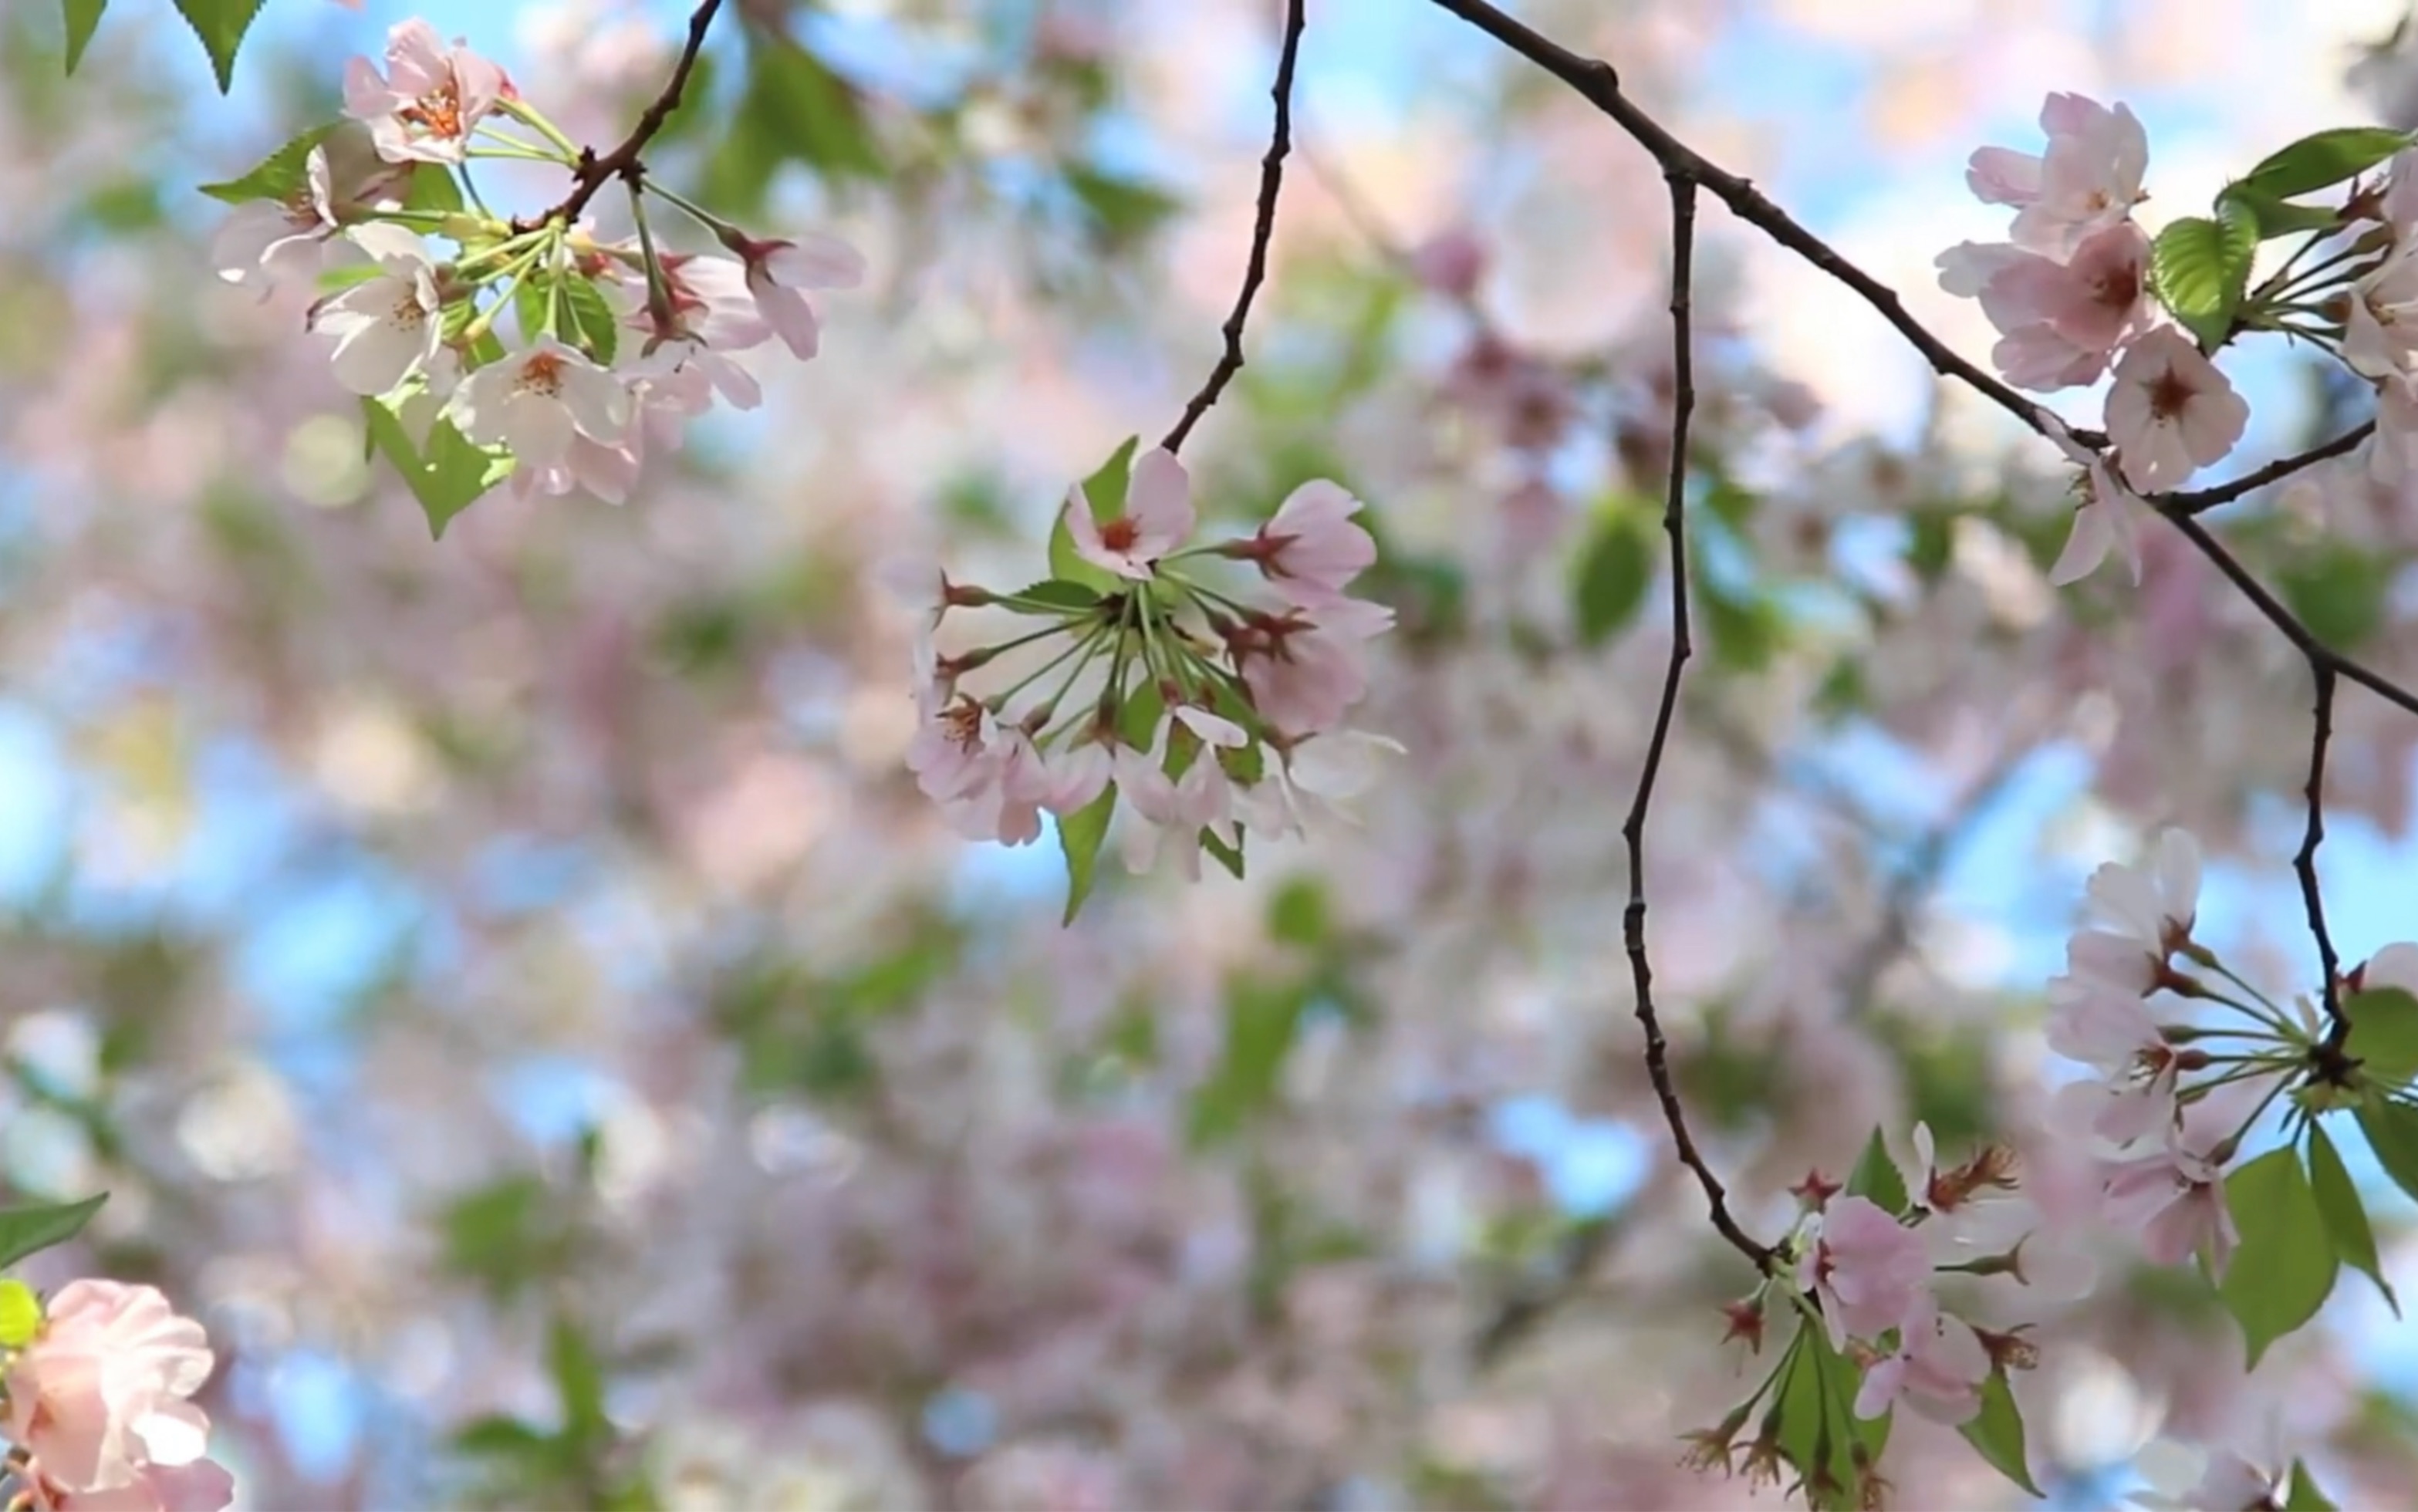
{"x": 20, "y": 1314}
{"x": 448, "y": 475}
{"x": 2391, "y": 1129}
{"x": 2346, "y": 1215}
{"x": 83, "y": 19}
{"x": 1876, "y": 1177}
{"x": 2384, "y": 1033}
{"x": 28, "y": 1229}
{"x": 588, "y": 321}
{"x": 1819, "y": 1430}
{"x": 1998, "y": 1431}
{"x": 2304, "y": 1495}
{"x": 1079, "y": 834}
{"x": 1614, "y": 572}
{"x": 221, "y": 25}
{"x": 2276, "y": 216}
{"x": 1054, "y": 593}
{"x": 280, "y": 176}
{"x": 2284, "y": 1267}
{"x": 1104, "y": 490}
{"x": 2322, "y": 160}
{"x": 2201, "y": 267}
{"x": 432, "y": 187}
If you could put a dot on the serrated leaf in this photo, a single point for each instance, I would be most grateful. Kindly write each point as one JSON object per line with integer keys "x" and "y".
{"x": 448, "y": 475}
{"x": 2346, "y": 1215}
{"x": 1818, "y": 1430}
{"x": 30, "y": 1229}
{"x": 2201, "y": 267}
{"x": 1998, "y": 1431}
{"x": 1614, "y": 569}
{"x": 20, "y": 1314}
{"x": 1878, "y": 1179}
{"x": 1054, "y": 593}
{"x": 2284, "y": 1267}
{"x": 2304, "y": 1495}
{"x": 588, "y": 321}
{"x": 2391, "y": 1129}
{"x": 2278, "y": 219}
{"x": 2322, "y": 160}
{"x": 280, "y": 176}
{"x": 2384, "y": 1033}
{"x": 83, "y": 19}
{"x": 221, "y": 25}
{"x": 1079, "y": 834}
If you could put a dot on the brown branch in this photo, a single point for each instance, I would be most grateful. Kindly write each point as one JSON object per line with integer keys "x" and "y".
{"x": 2305, "y": 864}
{"x": 1675, "y": 520}
{"x": 2198, "y": 500}
{"x": 593, "y": 172}
{"x": 1255, "y": 271}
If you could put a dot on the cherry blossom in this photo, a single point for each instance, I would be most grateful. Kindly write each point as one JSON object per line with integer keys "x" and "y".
{"x": 2172, "y": 1197}
{"x": 2381, "y": 329}
{"x": 2185, "y": 1477}
{"x": 2088, "y": 178}
{"x": 266, "y": 242}
{"x": 1156, "y": 518}
{"x": 1310, "y": 549}
{"x": 386, "y": 328}
{"x": 2115, "y": 1033}
{"x": 2110, "y": 517}
{"x": 430, "y": 99}
{"x": 1305, "y": 669}
{"x": 2395, "y": 966}
{"x": 1938, "y": 1367}
{"x": 99, "y": 1398}
{"x": 2061, "y": 321}
{"x": 2170, "y": 412}
{"x": 1867, "y": 1268}
{"x": 539, "y": 400}
{"x": 777, "y": 272}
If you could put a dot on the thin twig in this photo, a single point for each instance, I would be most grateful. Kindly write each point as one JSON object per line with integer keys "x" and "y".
{"x": 2321, "y": 730}
{"x": 595, "y": 172}
{"x": 1675, "y": 523}
{"x": 2198, "y": 500}
{"x": 1255, "y": 271}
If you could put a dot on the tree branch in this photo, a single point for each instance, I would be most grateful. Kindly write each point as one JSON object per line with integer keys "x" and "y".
{"x": 2321, "y": 729}
{"x": 1255, "y": 271}
{"x": 595, "y": 172}
{"x": 1675, "y": 519}
{"x": 2202, "y": 499}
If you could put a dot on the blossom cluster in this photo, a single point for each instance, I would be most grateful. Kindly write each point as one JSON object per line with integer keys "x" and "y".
{"x": 613, "y": 345}
{"x": 1210, "y": 704}
{"x": 2071, "y": 294}
{"x": 100, "y": 1406}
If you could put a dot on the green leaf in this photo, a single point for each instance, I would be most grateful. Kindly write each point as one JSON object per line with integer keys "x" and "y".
{"x": 2391, "y": 1129}
{"x": 221, "y": 25}
{"x": 1614, "y": 572}
{"x": 2339, "y": 590}
{"x": 1877, "y": 1178}
{"x": 1931, "y": 543}
{"x": 280, "y": 176}
{"x": 503, "y": 1436}
{"x": 1998, "y": 1431}
{"x": 1121, "y": 210}
{"x": 1079, "y": 834}
{"x": 2384, "y": 1033}
{"x": 2322, "y": 160}
{"x": 1229, "y": 856}
{"x": 2201, "y": 267}
{"x": 432, "y": 187}
{"x": 83, "y": 19}
{"x": 1818, "y": 1430}
{"x": 2284, "y": 1267}
{"x": 2276, "y": 217}
{"x": 798, "y": 108}
{"x": 1056, "y": 593}
{"x": 20, "y": 1314}
{"x": 2303, "y": 1496}
{"x": 1262, "y": 1021}
{"x": 579, "y": 1377}
{"x": 1104, "y": 490}
{"x": 1298, "y": 914}
{"x": 2346, "y": 1215}
{"x": 589, "y": 321}
{"x": 29, "y": 1230}
{"x": 448, "y": 475}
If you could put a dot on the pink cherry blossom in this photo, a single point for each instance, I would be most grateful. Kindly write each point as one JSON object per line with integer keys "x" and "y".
{"x": 2152, "y": 906}
{"x": 2380, "y": 330}
{"x": 1304, "y": 670}
{"x": 202, "y": 1485}
{"x": 429, "y": 100}
{"x": 386, "y": 328}
{"x": 2173, "y": 1196}
{"x": 1312, "y": 548}
{"x": 1866, "y": 1267}
{"x": 537, "y": 401}
{"x": 99, "y": 1397}
{"x": 1200, "y": 798}
{"x": 1937, "y": 1366}
{"x": 2170, "y": 412}
{"x": 2088, "y": 178}
{"x": 2060, "y": 320}
{"x": 1156, "y": 518}
{"x": 265, "y": 243}
{"x": 2114, "y": 1034}
{"x": 779, "y": 270}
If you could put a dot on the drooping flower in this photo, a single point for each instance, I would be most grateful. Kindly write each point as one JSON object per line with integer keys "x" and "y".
{"x": 2170, "y": 412}
{"x": 536, "y": 401}
{"x": 267, "y": 242}
{"x": 429, "y": 100}
{"x": 1310, "y": 549}
{"x": 2114, "y": 1034}
{"x": 389, "y": 326}
{"x": 1937, "y": 1366}
{"x": 1156, "y": 518}
{"x": 778, "y": 271}
{"x": 1866, "y": 1267}
{"x": 2173, "y": 1197}
{"x": 99, "y": 1398}
{"x": 1305, "y": 670}
{"x": 2110, "y": 517}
